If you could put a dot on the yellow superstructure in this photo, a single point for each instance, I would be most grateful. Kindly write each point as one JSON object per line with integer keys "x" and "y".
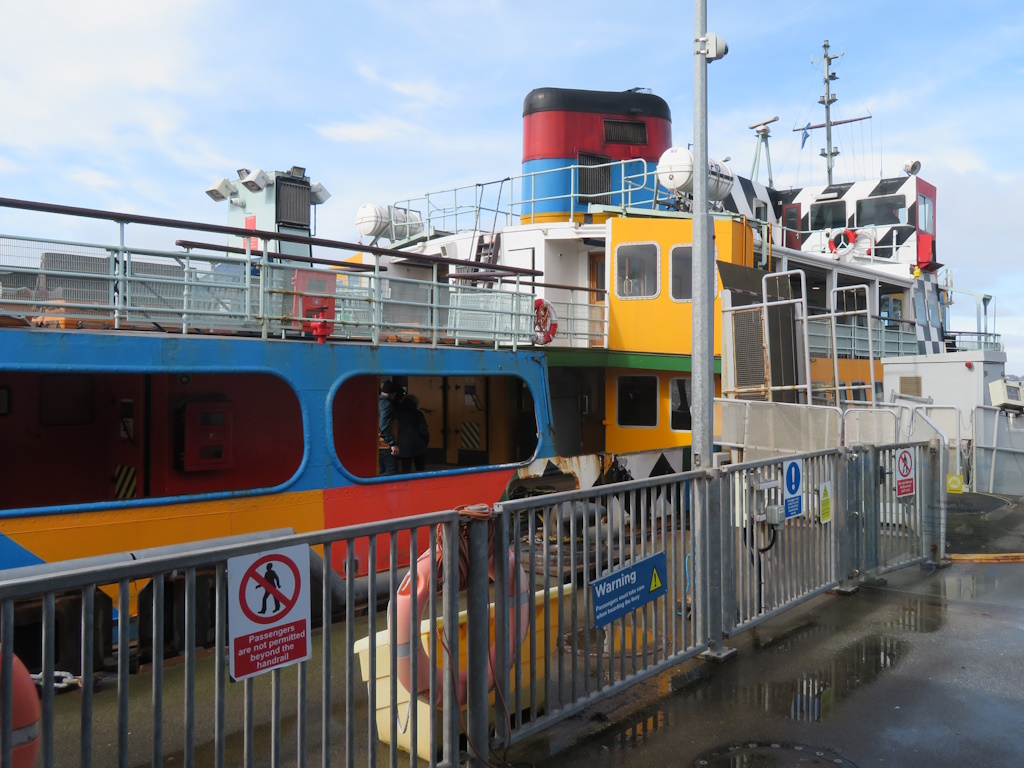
{"x": 650, "y": 262}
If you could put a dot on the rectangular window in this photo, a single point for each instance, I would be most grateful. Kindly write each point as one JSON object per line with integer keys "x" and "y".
{"x": 636, "y": 271}
{"x": 830, "y": 215}
{"x": 859, "y": 391}
{"x": 681, "y": 272}
{"x": 882, "y": 211}
{"x": 637, "y": 401}
{"x": 679, "y": 392}
{"x": 925, "y": 215}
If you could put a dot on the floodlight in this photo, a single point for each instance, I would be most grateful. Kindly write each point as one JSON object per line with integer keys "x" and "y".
{"x": 318, "y": 194}
{"x": 256, "y": 180}
{"x": 913, "y": 167}
{"x": 221, "y": 190}
{"x": 297, "y": 170}
{"x": 242, "y": 173}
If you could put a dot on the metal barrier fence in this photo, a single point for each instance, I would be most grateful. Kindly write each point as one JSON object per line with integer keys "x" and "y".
{"x": 486, "y": 666}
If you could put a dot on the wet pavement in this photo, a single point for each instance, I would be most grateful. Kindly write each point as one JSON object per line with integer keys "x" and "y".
{"x": 925, "y": 670}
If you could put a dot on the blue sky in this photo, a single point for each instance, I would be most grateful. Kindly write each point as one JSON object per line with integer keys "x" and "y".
{"x": 140, "y": 106}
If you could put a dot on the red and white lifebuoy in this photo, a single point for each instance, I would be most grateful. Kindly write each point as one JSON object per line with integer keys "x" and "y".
{"x": 842, "y": 241}
{"x": 545, "y": 323}
{"x": 401, "y": 612}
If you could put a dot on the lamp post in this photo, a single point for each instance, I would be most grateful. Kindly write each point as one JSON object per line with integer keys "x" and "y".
{"x": 707, "y": 47}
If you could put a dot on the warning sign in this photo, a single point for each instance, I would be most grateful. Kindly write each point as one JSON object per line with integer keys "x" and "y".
{"x": 954, "y": 483}
{"x": 268, "y": 611}
{"x": 629, "y": 588}
{"x": 905, "y": 473}
{"x": 825, "y": 504}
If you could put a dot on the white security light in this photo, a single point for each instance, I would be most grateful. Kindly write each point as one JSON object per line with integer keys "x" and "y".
{"x": 318, "y": 194}
{"x": 242, "y": 173}
{"x": 297, "y": 171}
{"x": 256, "y": 180}
{"x": 221, "y": 190}
{"x": 237, "y": 202}
{"x": 913, "y": 167}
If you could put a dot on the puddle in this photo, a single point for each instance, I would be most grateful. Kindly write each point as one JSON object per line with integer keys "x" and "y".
{"x": 814, "y": 696}
{"x": 758, "y": 754}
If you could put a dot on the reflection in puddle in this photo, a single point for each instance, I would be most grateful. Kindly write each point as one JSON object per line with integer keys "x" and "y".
{"x": 812, "y": 696}
{"x": 917, "y": 615}
{"x": 635, "y": 734}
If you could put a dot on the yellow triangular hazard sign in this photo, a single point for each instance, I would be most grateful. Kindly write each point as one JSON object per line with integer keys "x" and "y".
{"x": 655, "y": 580}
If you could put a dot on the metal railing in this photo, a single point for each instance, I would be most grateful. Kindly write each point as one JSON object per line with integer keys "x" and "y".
{"x": 227, "y": 289}
{"x": 533, "y": 647}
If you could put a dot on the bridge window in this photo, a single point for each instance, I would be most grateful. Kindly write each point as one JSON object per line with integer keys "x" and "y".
{"x": 882, "y": 211}
{"x": 681, "y": 273}
{"x": 831, "y": 215}
{"x": 636, "y": 271}
{"x": 925, "y": 215}
{"x": 637, "y": 401}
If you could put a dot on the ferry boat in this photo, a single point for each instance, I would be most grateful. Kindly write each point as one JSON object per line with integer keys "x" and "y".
{"x": 153, "y": 394}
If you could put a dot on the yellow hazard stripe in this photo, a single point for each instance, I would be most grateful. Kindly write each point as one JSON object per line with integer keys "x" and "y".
{"x": 124, "y": 481}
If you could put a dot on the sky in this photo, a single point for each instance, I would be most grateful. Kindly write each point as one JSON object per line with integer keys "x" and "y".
{"x": 140, "y": 106}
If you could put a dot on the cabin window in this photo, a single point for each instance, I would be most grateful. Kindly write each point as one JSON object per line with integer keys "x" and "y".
{"x": 882, "y": 211}
{"x": 933, "y": 306}
{"x": 859, "y": 391}
{"x": 925, "y": 215}
{"x": 637, "y": 401}
{"x": 679, "y": 394}
{"x": 831, "y": 215}
{"x": 636, "y": 271}
{"x": 681, "y": 272}
{"x": 439, "y": 423}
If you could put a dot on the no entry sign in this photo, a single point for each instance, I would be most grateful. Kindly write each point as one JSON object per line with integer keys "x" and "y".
{"x": 268, "y": 611}
{"x": 905, "y": 473}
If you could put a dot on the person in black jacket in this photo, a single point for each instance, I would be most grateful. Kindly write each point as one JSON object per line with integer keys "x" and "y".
{"x": 413, "y": 434}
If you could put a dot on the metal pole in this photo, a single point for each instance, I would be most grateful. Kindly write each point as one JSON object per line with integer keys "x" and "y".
{"x": 478, "y": 642}
{"x": 703, "y": 271}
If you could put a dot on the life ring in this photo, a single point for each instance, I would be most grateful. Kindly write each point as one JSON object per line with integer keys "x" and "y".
{"x": 545, "y": 323}
{"x": 401, "y": 613}
{"x": 841, "y": 242}
{"x": 25, "y": 715}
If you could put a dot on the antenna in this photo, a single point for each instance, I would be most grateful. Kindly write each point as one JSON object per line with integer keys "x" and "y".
{"x": 828, "y": 100}
{"x": 763, "y": 131}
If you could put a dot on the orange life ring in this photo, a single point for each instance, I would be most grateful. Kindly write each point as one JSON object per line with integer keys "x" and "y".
{"x": 545, "y": 323}
{"x": 402, "y": 614}
{"x": 841, "y": 242}
{"x": 25, "y": 717}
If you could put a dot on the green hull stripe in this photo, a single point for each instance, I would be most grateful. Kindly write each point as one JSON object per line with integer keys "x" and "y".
{"x": 603, "y": 358}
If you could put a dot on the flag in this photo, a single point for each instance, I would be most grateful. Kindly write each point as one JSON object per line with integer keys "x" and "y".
{"x": 805, "y": 135}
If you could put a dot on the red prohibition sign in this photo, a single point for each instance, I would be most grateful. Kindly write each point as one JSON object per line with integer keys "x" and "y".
{"x": 286, "y": 603}
{"x": 905, "y": 463}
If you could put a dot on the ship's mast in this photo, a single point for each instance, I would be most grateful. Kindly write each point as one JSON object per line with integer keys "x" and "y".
{"x": 830, "y": 152}
{"x": 828, "y": 100}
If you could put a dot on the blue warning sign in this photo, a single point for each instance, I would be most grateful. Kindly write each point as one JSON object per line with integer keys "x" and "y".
{"x": 629, "y": 588}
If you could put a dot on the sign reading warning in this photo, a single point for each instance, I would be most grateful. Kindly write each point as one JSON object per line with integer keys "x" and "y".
{"x": 268, "y": 611}
{"x": 629, "y": 588}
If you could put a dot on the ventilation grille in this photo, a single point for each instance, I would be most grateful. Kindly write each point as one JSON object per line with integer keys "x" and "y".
{"x": 293, "y": 203}
{"x": 911, "y": 385}
{"x": 595, "y": 182}
{"x": 748, "y": 341}
{"x": 625, "y": 132}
